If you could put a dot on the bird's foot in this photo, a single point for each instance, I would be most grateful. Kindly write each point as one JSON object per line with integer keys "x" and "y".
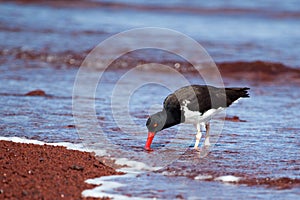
{"x": 206, "y": 142}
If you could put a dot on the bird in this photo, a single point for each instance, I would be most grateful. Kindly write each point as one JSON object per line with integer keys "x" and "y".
{"x": 193, "y": 104}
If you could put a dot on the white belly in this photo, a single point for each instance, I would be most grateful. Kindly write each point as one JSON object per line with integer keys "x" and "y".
{"x": 194, "y": 117}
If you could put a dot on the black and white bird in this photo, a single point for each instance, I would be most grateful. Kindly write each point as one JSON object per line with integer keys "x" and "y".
{"x": 195, "y": 104}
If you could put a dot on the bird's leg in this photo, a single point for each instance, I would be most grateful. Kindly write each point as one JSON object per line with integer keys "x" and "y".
{"x": 198, "y": 136}
{"x": 207, "y": 127}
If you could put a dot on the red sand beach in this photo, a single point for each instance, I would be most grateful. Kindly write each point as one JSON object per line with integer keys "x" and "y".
{"x": 31, "y": 171}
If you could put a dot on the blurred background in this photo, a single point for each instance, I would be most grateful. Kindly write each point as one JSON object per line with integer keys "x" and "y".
{"x": 229, "y": 30}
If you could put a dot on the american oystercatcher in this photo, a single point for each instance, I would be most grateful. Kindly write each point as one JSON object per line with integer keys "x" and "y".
{"x": 195, "y": 104}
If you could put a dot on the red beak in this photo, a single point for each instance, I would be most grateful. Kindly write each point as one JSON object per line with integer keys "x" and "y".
{"x": 149, "y": 141}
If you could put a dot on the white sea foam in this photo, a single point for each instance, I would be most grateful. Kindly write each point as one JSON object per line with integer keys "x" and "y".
{"x": 228, "y": 178}
{"x": 203, "y": 177}
{"x": 71, "y": 146}
{"x": 22, "y": 140}
{"x": 108, "y": 185}
{"x": 100, "y": 152}
{"x": 169, "y": 173}
{"x": 68, "y": 145}
{"x": 135, "y": 165}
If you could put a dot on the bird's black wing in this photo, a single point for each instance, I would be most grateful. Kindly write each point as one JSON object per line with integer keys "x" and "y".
{"x": 212, "y": 97}
{"x": 198, "y": 97}
{"x": 202, "y": 97}
{"x": 195, "y": 97}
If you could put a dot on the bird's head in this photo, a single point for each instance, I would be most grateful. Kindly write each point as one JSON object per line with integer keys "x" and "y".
{"x": 154, "y": 124}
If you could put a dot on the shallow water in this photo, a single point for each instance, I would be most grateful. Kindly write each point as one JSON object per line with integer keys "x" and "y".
{"x": 265, "y": 146}
{"x": 262, "y": 148}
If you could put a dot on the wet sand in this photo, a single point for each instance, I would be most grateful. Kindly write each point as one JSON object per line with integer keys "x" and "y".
{"x": 31, "y": 171}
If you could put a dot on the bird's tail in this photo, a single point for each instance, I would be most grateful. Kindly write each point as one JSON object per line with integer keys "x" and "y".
{"x": 235, "y": 93}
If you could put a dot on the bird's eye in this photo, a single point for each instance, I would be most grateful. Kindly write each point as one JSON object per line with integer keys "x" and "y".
{"x": 155, "y": 125}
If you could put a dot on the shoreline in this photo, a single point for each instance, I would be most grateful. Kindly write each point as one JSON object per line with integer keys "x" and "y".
{"x": 45, "y": 171}
{"x": 31, "y": 171}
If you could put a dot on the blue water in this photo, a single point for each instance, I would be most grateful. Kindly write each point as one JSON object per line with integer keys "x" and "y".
{"x": 43, "y": 44}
